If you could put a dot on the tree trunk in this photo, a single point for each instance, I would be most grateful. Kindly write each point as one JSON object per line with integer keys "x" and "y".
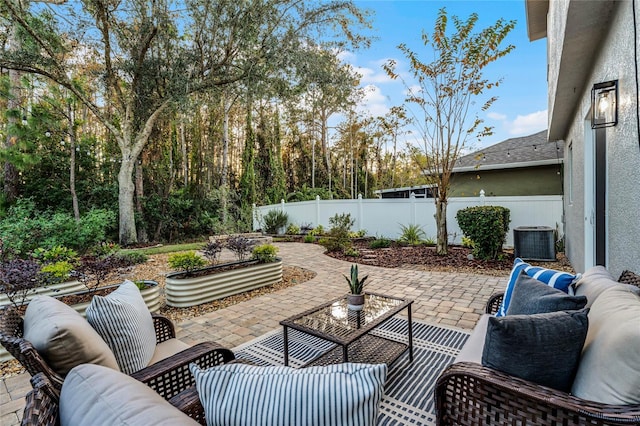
{"x": 225, "y": 160}
{"x": 72, "y": 162}
{"x": 14, "y": 102}
{"x": 185, "y": 159}
{"x": 128, "y": 234}
{"x": 442, "y": 246}
{"x": 142, "y": 230}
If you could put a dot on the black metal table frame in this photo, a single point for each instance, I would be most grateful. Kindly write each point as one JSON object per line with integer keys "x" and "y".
{"x": 288, "y": 323}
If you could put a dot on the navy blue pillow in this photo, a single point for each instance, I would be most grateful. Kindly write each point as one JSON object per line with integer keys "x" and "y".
{"x": 542, "y": 348}
{"x": 531, "y": 296}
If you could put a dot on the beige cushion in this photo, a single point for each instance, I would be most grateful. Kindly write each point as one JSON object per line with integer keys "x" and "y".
{"x": 593, "y": 282}
{"x": 609, "y": 370}
{"x": 168, "y": 348}
{"x": 94, "y": 395}
{"x": 472, "y": 349}
{"x": 125, "y": 323}
{"x": 63, "y": 337}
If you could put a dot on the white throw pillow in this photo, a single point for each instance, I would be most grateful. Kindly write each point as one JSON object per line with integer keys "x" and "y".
{"x": 125, "y": 323}
{"x": 95, "y": 395}
{"x": 341, "y": 394}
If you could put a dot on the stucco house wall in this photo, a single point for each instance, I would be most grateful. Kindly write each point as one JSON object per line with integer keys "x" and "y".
{"x": 614, "y": 60}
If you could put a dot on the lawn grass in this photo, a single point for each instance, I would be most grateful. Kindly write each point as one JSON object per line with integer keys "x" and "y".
{"x": 166, "y": 249}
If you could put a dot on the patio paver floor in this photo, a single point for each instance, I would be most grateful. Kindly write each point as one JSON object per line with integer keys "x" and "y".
{"x": 452, "y": 299}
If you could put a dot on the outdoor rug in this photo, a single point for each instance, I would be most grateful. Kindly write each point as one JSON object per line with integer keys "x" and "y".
{"x": 409, "y": 388}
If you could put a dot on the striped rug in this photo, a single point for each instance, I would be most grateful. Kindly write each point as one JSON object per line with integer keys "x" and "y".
{"x": 408, "y": 396}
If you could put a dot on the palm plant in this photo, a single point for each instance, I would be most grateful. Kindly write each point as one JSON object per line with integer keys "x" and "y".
{"x": 412, "y": 234}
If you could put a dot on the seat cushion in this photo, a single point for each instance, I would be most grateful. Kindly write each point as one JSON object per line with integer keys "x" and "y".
{"x": 556, "y": 279}
{"x": 531, "y": 296}
{"x": 166, "y": 349}
{"x": 124, "y": 322}
{"x": 95, "y": 395}
{"x": 341, "y": 394}
{"x": 542, "y": 348}
{"x": 593, "y": 282}
{"x": 63, "y": 337}
{"x": 609, "y": 369}
{"x": 474, "y": 346}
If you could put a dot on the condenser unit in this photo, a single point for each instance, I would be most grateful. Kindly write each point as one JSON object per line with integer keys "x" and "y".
{"x": 534, "y": 243}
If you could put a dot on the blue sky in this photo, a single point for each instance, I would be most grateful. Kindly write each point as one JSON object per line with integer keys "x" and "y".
{"x": 521, "y": 108}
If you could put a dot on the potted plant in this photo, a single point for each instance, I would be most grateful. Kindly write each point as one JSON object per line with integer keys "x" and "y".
{"x": 355, "y": 298}
{"x": 193, "y": 284}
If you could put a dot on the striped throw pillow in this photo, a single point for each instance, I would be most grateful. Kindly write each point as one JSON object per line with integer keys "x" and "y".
{"x": 123, "y": 320}
{"x": 556, "y": 279}
{"x": 341, "y": 394}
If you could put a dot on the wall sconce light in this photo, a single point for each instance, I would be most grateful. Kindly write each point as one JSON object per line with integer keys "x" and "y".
{"x": 604, "y": 104}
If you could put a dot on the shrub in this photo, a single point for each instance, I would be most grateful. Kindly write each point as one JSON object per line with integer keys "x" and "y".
{"x": 212, "y": 250}
{"x": 309, "y": 239}
{"x": 351, "y": 252}
{"x": 467, "y": 242}
{"x": 92, "y": 271}
{"x": 487, "y": 227}
{"x": 338, "y": 236}
{"x": 274, "y": 220}
{"x": 57, "y": 272}
{"x": 358, "y": 234}
{"x": 19, "y": 277}
{"x": 240, "y": 246}
{"x": 292, "y": 229}
{"x": 104, "y": 248}
{"x": 265, "y": 253}
{"x": 317, "y": 231}
{"x": 187, "y": 261}
{"x": 412, "y": 234}
{"x": 380, "y": 242}
{"x": 131, "y": 258}
{"x": 55, "y": 254}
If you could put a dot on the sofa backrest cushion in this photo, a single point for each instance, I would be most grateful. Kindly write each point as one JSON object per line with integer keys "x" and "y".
{"x": 340, "y": 394}
{"x": 609, "y": 370}
{"x": 593, "y": 282}
{"x": 95, "y": 395}
{"x": 556, "y": 279}
{"x": 542, "y": 348}
{"x": 531, "y": 296}
{"x": 63, "y": 337}
{"x": 125, "y": 323}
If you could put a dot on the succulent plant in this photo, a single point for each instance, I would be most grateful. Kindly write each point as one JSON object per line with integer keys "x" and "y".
{"x": 356, "y": 285}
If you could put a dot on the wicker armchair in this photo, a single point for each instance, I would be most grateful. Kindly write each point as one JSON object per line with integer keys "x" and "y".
{"x": 41, "y": 403}
{"x": 167, "y": 377}
{"x": 469, "y": 394}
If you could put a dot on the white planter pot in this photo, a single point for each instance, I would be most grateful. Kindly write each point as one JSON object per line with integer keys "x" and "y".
{"x": 151, "y": 296}
{"x": 183, "y": 291}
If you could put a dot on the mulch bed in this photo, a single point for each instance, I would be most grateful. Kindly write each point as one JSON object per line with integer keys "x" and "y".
{"x": 459, "y": 259}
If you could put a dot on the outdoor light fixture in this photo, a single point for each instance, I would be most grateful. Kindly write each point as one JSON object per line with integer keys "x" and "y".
{"x": 604, "y": 104}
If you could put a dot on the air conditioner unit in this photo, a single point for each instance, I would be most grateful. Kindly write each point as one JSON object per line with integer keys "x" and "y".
{"x": 534, "y": 243}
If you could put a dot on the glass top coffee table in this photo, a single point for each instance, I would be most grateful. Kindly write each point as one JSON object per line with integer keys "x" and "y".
{"x": 350, "y": 330}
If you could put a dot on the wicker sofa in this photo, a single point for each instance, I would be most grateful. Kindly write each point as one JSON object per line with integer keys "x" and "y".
{"x": 469, "y": 394}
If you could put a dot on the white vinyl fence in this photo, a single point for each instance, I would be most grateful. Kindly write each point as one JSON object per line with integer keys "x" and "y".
{"x": 383, "y": 217}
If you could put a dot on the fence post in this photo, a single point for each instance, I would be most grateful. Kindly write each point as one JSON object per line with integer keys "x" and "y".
{"x": 412, "y": 206}
{"x": 360, "y": 212}
{"x": 482, "y": 197}
{"x": 317, "y": 210}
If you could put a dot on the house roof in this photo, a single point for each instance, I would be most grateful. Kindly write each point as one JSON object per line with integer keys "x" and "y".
{"x": 525, "y": 151}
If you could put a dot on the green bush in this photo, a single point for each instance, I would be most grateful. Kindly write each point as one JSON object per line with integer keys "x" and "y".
{"x": 25, "y": 229}
{"x": 358, "y": 234}
{"x": 187, "y": 261}
{"x": 132, "y": 257}
{"x": 412, "y": 234}
{"x": 265, "y": 253}
{"x": 55, "y": 254}
{"x": 317, "y": 231}
{"x": 381, "y": 242}
{"x": 487, "y": 227}
{"x": 338, "y": 236}
{"x": 292, "y": 229}
{"x": 57, "y": 272}
{"x": 309, "y": 239}
{"x": 274, "y": 220}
